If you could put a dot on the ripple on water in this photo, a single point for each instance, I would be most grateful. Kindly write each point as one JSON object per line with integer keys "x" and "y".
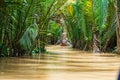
{"x": 69, "y": 64}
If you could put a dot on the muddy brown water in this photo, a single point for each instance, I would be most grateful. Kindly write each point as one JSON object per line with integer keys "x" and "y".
{"x": 62, "y": 63}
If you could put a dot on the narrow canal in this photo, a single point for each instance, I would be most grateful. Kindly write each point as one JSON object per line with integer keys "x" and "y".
{"x": 62, "y": 63}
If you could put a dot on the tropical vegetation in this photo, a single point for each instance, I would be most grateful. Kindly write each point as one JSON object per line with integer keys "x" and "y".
{"x": 26, "y": 26}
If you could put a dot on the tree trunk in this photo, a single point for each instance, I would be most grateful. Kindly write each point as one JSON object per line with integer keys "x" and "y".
{"x": 95, "y": 44}
{"x": 117, "y": 27}
{"x": 94, "y": 31}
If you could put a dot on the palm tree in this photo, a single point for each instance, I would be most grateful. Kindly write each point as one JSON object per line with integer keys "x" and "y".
{"x": 92, "y": 21}
{"x": 23, "y": 24}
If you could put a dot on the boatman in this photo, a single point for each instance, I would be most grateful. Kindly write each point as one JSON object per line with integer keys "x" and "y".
{"x": 64, "y": 39}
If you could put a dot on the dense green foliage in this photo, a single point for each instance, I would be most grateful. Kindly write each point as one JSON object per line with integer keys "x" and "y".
{"x": 55, "y": 31}
{"x": 27, "y": 25}
{"x": 93, "y": 22}
{"x": 23, "y": 25}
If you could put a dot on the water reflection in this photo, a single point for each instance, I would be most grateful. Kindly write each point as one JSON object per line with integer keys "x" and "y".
{"x": 69, "y": 64}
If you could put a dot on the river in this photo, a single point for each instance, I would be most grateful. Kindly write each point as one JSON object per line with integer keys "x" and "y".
{"x": 62, "y": 63}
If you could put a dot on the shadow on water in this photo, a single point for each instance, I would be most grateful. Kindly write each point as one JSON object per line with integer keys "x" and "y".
{"x": 69, "y": 64}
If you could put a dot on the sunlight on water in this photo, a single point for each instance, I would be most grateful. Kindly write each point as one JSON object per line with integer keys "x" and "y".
{"x": 63, "y": 63}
